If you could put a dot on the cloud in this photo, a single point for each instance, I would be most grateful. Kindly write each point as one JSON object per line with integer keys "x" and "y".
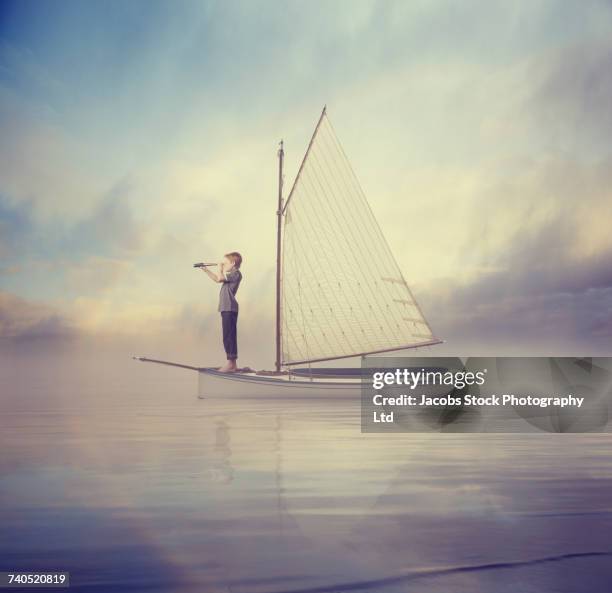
{"x": 111, "y": 228}
{"x": 20, "y": 318}
{"x": 536, "y": 292}
{"x": 15, "y": 225}
{"x": 95, "y": 275}
{"x": 572, "y": 104}
{"x": 41, "y": 166}
{"x": 532, "y": 248}
{"x": 480, "y": 134}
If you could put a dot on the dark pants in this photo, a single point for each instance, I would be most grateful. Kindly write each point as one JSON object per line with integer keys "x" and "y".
{"x": 229, "y": 319}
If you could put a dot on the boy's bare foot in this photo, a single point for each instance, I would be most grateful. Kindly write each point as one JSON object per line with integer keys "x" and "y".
{"x": 229, "y": 367}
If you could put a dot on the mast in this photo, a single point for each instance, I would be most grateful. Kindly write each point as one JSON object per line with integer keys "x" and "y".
{"x": 279, "y": 216}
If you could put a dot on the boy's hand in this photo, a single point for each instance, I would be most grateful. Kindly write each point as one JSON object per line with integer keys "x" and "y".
{"x": 221, "y": 267}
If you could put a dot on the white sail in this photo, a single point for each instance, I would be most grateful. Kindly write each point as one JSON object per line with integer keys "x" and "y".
{"x": 343, "y": 293}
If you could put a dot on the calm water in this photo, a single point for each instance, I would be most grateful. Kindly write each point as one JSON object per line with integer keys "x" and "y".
{"x": 115, "y": 471}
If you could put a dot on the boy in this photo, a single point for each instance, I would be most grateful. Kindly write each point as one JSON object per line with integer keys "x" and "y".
{"x": 229, "y": 275}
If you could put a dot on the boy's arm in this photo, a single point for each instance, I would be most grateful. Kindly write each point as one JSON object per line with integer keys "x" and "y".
{"x": 220, "y": 277}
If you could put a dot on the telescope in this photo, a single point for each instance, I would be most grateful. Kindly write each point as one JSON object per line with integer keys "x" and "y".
{"x": 203, "y": 265}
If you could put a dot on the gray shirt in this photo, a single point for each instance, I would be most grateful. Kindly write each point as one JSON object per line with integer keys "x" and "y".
{"x": 229, "y": 288}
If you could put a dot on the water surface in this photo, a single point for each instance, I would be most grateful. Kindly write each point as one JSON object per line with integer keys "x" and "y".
{"x": 115, "y": 471}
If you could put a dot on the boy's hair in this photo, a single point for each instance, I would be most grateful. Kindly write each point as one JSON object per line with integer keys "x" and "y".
{"x": 235, "y": 258}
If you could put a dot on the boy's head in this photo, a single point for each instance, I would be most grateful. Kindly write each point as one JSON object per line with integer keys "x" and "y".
{"x": 233, "y": 259}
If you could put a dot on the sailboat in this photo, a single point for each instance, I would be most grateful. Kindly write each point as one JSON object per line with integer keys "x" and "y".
{"x": 340, "y": 293}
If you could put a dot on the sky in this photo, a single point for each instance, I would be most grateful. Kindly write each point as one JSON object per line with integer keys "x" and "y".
{"x": 139, "y": 137}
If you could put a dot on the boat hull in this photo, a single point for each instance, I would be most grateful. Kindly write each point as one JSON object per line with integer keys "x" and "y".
{"x": 301, "y": 383}
{"x": 212, "y": 383}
